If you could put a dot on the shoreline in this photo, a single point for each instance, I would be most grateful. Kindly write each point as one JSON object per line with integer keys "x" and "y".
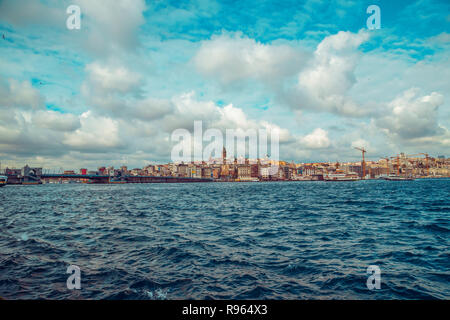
{"x": 184, "y": 180}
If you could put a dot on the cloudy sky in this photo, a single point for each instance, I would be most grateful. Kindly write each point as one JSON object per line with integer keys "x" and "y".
{"x": 112, "y": 92}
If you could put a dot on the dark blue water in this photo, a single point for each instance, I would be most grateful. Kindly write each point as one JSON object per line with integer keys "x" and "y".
{"x": 291, "y": 240}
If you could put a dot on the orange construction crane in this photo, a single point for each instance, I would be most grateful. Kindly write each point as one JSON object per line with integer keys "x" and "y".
{"x": 363, "y": 163}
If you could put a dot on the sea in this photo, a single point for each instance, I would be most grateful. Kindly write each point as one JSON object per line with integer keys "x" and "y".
{"x": 260, "y": 240}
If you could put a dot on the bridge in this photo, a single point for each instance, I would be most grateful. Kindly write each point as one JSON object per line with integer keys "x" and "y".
{"x": 88, "y": 178}
{"x": 121, "y": 179}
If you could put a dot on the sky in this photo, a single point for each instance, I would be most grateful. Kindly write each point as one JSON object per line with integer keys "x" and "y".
{"x": 114, "y": 91}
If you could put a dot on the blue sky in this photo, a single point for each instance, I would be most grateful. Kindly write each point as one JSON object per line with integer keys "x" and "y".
{"x": 112, "y": 92}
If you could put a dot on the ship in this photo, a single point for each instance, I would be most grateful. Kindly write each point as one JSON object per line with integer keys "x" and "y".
{"x": 3, "y": 181}
{"x": 31, "y": 182}
{"x": 117, "y": 180}
{"x": 393, "y": 177}
{"x": 340, "y": 175}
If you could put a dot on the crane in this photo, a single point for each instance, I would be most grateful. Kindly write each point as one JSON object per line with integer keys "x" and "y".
{"x": 363, "y": 163}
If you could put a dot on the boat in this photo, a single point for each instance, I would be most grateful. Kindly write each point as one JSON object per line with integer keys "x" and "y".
{"x": 302, "y": 178}
{"x": 117, "y": 180}
{"x": 393, "y": 177}
{"x": 3, "y": 181}
{"x": 340, "y": 175}
{"x": 31, "y": 182}
{"x": 70, "y": 181}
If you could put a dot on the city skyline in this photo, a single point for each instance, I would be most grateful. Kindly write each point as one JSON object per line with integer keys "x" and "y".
{"x": 114, "y": 92}
{"x": 229, "y": 160}
{"x": 238, "y": 169}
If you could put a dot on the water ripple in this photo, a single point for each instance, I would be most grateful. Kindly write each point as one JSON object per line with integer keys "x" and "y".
{"x": 292, "y": 240}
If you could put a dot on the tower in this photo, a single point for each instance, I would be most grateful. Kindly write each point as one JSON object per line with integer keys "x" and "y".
{"x": 224, "y": 155}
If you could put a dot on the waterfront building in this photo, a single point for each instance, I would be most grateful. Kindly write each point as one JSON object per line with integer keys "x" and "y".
{"x": 124, "y": 170}
{"x": 357, "y": 169}
{"x": 287, "y": 172}
{"x": 164, "y": 171}
{"x": 206, "y": 172}
{"x": 225, "y": 171}
{"x": 12, "y": 172}
{"x": 216, "y": 173}
{"x": 194, "y": 171}
{"x": 31, "y": 175}
{"x": 254, "y": 170}
{"x": 197, "y": 173}
{"x": 173, "y": 168}
{"x": 182, "y": 170}
{"x": 244, "y": 172}
{"x": 264, "y": 172}
{"x": 148, "y": 170}
{"x": 309, "y": 170}
{"x": 135, "y": 172}
{"x": 28, "y": 171}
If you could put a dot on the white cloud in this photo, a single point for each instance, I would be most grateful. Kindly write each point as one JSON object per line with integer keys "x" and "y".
{"x": 21, "y": 135}
{"x": 31, "y": 12}
{"x": 317, "y": 139}
{"x": 112, "y": 25}
{"x": 412, "y": 116}
{"x": 109, "y": 87}
{"x": 188, "y": 109}
{"x": 233, "y": 57}
{"x": 96, "y": 134}
{"x": 151, "y": 109}
{"x": 361, "y": 143}
{"x": 111, "y": 79}
{"x": 56, "y": 121}
{"x": 15, "y": 94}
{"x": 232, "y": 117}
{"x": 323, "y": 81}
{"x": 324, "y": 86}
